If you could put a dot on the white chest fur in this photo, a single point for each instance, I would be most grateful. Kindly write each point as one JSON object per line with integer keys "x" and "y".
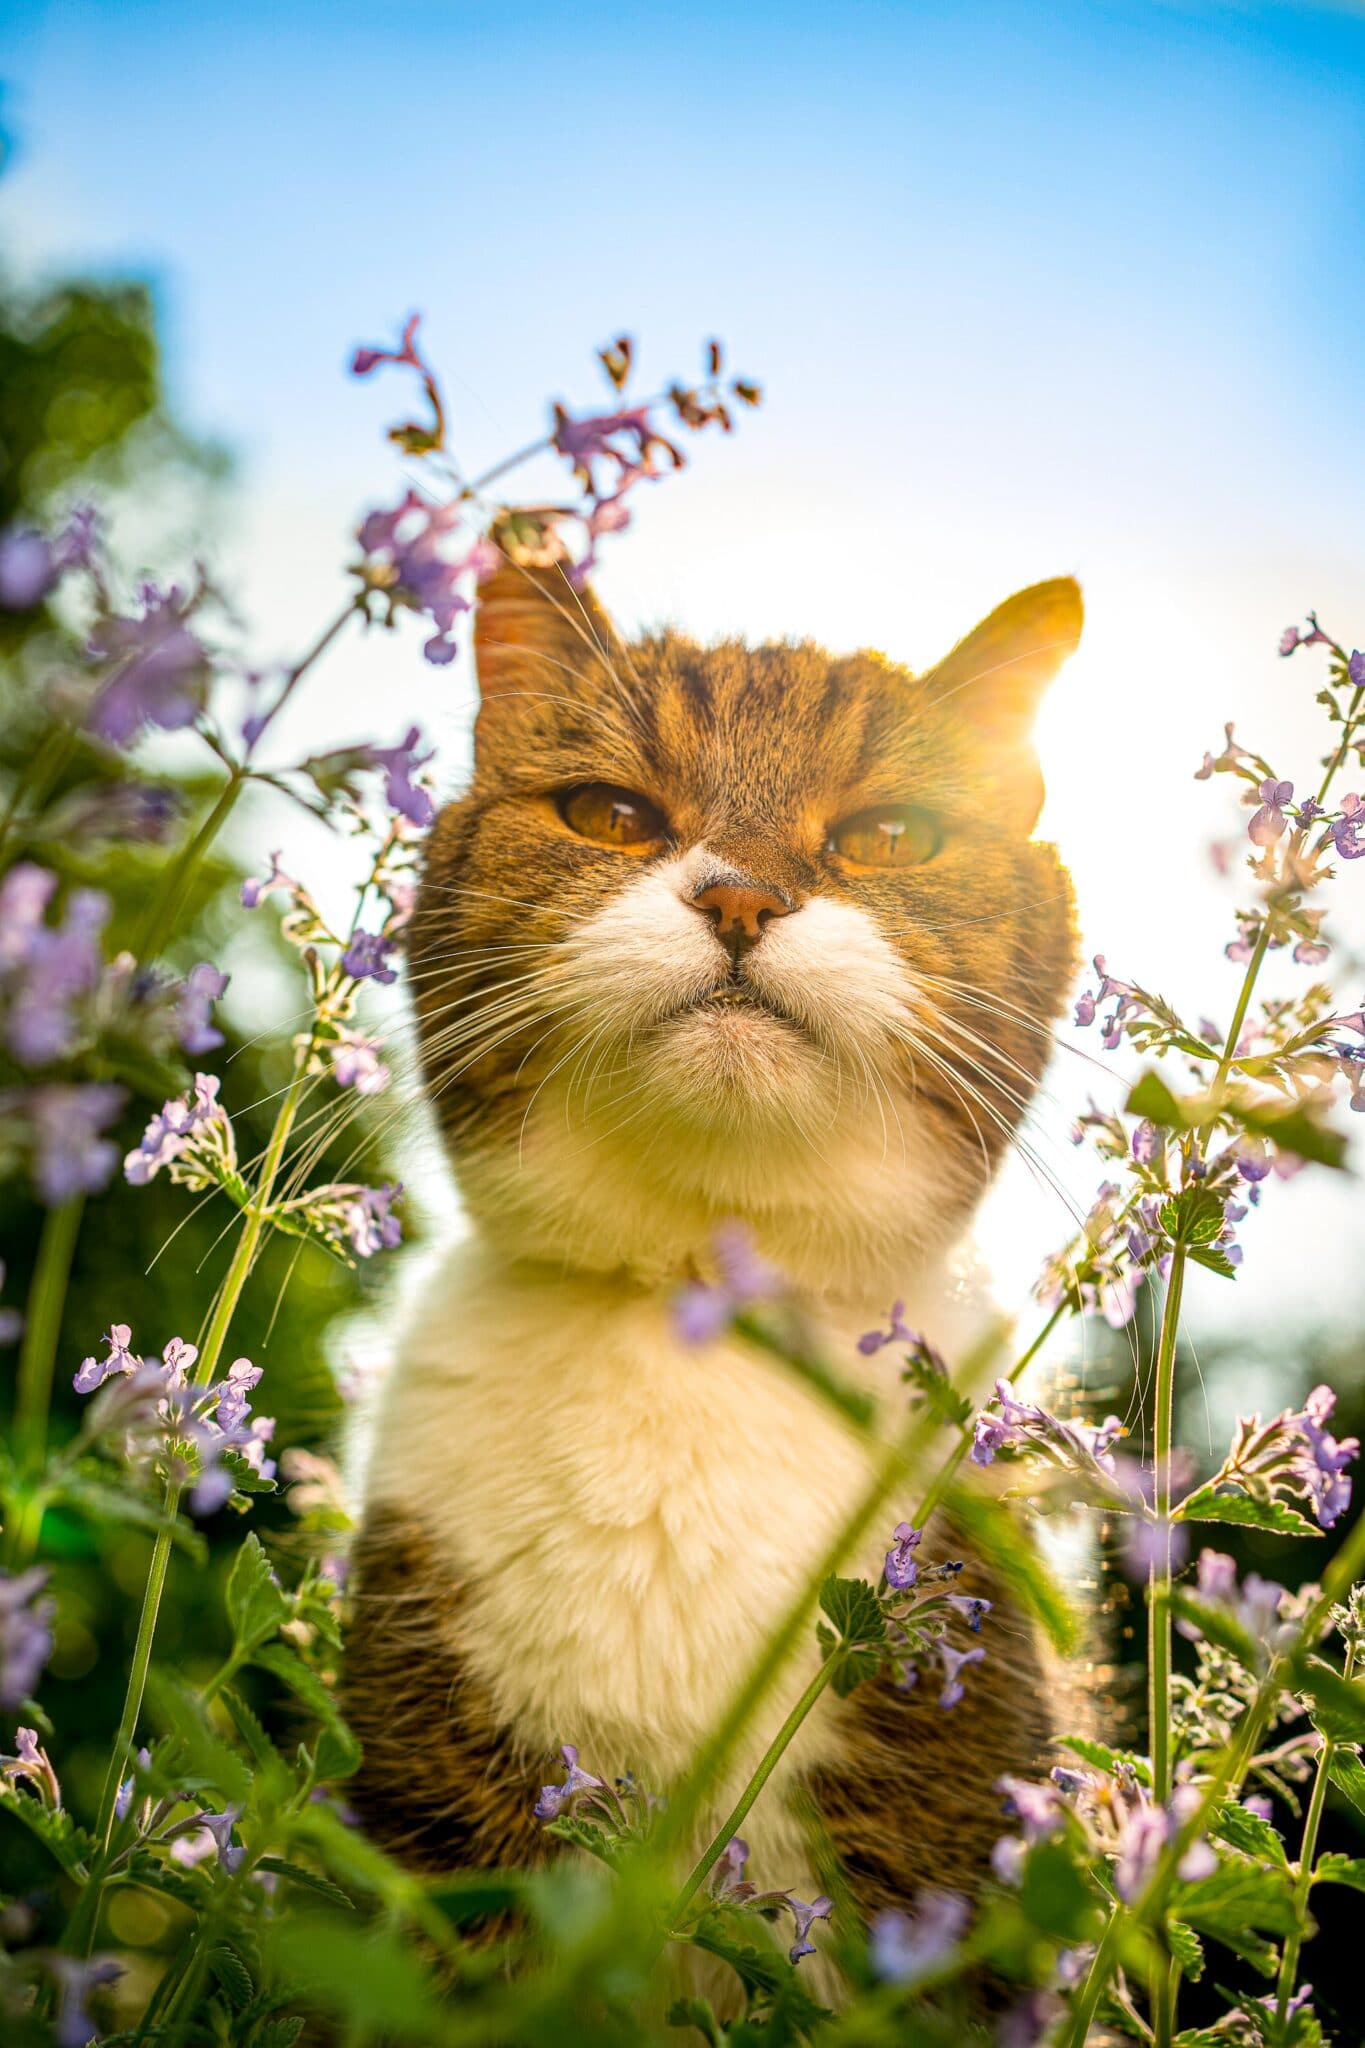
{"x": 628, "y": 1516}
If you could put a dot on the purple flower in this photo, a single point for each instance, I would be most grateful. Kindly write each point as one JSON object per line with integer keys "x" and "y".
{"x": 76, "y": 1978}
{"x": 25, "y": 1634}
{"x": 1256, "y": 1803}
{"x": 592, "y": 439}
{"x": 30, "y": 564}
{"x": 356, "y": 1063}
{"x": 123, "y": 1799}
{"x": 970, "y": 1607}
{"x": 1146, "y": 1142}
{"x": 177, "y": 1128}
{"x": 1085, "y": 1009}
{"x": 406, "y": 555}
{"x": 728, "y": 1878}
{"x": 1037, "y": 1808}
{"x": 48, "y": 968}
{"x": 1321, "y": 1460}
{"x": 161, "y": 670}
{"x": 140, "y": 812}
{"x": 93, "y": 1372}
{"x": 1355, "y": 667}
{"x": 906, "y": 1947}
{"x": 1269, "y": 822}
{"x": 553, "y": 1798}
{"x": 954, "y": 1662}
{"x": 65, "y": 1121}
{"x": 702, "y": 1311}
{"x": 1345, "y": 831}
{"x": 233, "y": 1407}
{"x": 254, "y": 888}
{"x": 873, "y": 1340}
{"x": 399, "y": 765}
{"x": 28, "y": 568}
{"x": 366, "y": 956}
{"x": 901, "y": 1569}
{"x": 805, "y": 1917}
{"x": 1029, "y": 2020}
{"x": 366, "y": 359}
{"x": 1290, "y": 639}
{"x": 369, "y": 1225}
{"x": 202, "y": 987}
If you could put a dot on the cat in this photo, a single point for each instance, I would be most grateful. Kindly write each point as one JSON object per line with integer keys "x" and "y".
{"x": 715, "y": 934}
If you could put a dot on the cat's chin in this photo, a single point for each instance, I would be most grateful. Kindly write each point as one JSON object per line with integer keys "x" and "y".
{"x": 729, "y": 1060}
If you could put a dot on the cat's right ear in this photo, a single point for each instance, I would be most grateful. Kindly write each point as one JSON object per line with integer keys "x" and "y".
{"x": 534, "y": 633}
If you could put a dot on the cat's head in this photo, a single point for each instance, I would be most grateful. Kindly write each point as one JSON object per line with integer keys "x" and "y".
{"x": 723, "y": 931}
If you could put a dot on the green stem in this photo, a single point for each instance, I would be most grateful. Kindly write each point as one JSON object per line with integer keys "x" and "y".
{"x": 735, "y": 1819}
{"x": 42, "y": 1326}
{"x": 84, "y": 1923}
{"x": 1159, "y": 1578}
{"x": 161, "y": 918}
{"x": 1303, "y": 1882}
{"x": 1345, "y": 747}
{"x": 1097, "y": 1981}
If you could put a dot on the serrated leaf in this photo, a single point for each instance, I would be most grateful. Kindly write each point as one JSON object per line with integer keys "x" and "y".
{"x": 1208, "y": 1504}
{"x": 1187, "y": 1949}
{"x": 280, "y": 2033}
{"x": 1150, "y": 1097}
{"x": 1337, "y": 1704}
{"x": 338, "y": 1752}
{"x": 232, "y": 1973}
{"x": 68, "y": 1845}
{"x": 1238, "y": 1906}
{"x": 199, "y": 1751}
{"x": 1249, "y": 1833}
{"x": 854, "y": 1609}
{"x": 256, "y": 1606}
{"x": 1215, "y": 1261}
{"x": 1347, "y": 1773}
{"x": 1335, "y": 1868}
{"x": 156, "y": 1875}
{"x": 759, "y": 1970}
{"x": 1294, "y": 1130}
{"x": 251, "y": 1730}
{"x": 1103, "y": 1758}
{"x": 309, "y": 1879}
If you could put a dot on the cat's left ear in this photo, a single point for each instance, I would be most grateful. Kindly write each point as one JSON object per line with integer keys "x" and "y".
{"x": 994, "y": 679}
{"x": 534, "y": 632}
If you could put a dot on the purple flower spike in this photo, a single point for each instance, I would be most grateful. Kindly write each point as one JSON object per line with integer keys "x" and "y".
{"x": 203, "y": 986}
{"x": 25, "y": 1634}
{"x": 873, "y": 1340}
{"x": 399, "y": 765}
{"x": 366, "y": 958}
{"x": 1269, "y": 822}
{"x": 1321, "y": 1460}
{"x": 93, "y": 1372}
{"x": 553, "y": 1798}
{"x": 1345, "y": 831}
{"x": 805, "y": 1917}
{"x": 954, "y": 1663}
{"x": 160, "y": 670}
{"x": 366, "y": 359}
{"x": 905, "y": 1947}
{"x": 76, "y": 1978}
{"x": 901, "y": 1569}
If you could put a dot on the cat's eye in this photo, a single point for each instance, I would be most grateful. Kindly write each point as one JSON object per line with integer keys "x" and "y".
{"x": 613, "y": 817}
{"x": 887, "y": 836}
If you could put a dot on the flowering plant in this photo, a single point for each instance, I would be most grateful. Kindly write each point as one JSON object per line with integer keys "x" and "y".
{"x": 205, "y": 1881}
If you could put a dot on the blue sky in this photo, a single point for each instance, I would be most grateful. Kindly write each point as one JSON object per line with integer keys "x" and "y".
{"x": 1030, "y": 290}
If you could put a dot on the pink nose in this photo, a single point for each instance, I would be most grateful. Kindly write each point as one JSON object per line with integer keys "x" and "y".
{"x": 739, "y": 912}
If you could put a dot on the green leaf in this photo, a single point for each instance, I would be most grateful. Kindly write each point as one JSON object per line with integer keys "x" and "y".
{"x": 1347, "y": 1773}
{"x": 853, "y": 1607}
{"x": 698, "y": 2013}
{"x": 251, "y": 1731}
{"x": 588, "y": 1835}
{"x": 1187, "y": 1949}
{"x": 198, "y": 1750}
{"x": 1194, "y": 1217}
{"x": 1238, "y": 1905}
{"x": 1337, "y": 1704}
{"x": 1001, "y": 1538}
{"x": 309, "y": 1879}
{"x": 1337, "y": 1869}
{"x": 761, "y": 1971}
{"x": 281, "y": 2033}
{"x": 376, "y": 1979}
{"x": 1103, "y": 1758}
{"x": 1249, "y": 1833}
{"x": 256, "y": 1606}
{"x": 68, "y": 1845}
{"x": 232, "y": 1973}
{"x": 1055, "y": 1896}
{"x": 111, "y": 1504}
{"x": 1150, "y": 1097}
{"x": 155, "y": 1875}
{"x": 1210, "y": 1505}
{"x": 338, "y": 1752}
{"x": 1294, "y": 1130}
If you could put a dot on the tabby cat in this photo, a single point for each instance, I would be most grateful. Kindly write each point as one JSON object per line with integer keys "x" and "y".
{"x": 715, "y": 933}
